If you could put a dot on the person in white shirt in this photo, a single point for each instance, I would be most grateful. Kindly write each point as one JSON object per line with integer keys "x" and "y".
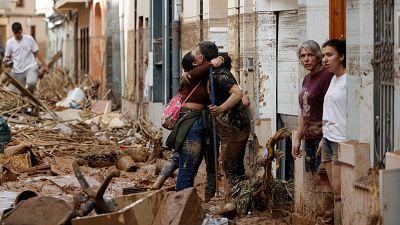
{"x": 334, "y": 111}
{"x": 23, "y": 50}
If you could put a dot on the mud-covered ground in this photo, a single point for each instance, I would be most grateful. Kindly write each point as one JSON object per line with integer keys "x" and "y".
{"x": 65, "y": 186}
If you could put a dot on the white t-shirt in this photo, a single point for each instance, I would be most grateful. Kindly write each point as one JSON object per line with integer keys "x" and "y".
{"x": 21, "y": 52}
{"x": 335, "y": 109}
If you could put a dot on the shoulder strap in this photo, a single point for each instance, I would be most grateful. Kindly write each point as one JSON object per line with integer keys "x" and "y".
{"x": 191, "y": 93}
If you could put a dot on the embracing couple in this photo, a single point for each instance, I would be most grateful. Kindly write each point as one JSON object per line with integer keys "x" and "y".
{"x": 191, "y": 137}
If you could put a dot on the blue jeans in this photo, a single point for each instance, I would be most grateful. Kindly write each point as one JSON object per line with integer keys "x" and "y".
{"x": 312, "y": 160}
{"x": 190, "y": 155}
{"x": 209, "y": 156}
{"x": 171, "y": 165}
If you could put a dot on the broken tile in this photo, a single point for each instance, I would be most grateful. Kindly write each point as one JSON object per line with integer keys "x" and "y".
{"x": 101, "y": 106}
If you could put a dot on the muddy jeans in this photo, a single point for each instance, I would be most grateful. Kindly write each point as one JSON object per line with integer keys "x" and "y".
{"x": 232, "y": 161}
{"x": 190, "y": 155}
{"x": 173, "y": 163}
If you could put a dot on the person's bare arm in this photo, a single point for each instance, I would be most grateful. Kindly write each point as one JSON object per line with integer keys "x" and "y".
{"x": 39, "y": 55}
{"x": 245, "y": 100}
{"x": 298, "y": 137}
{"x": 235, "y": 96}
{"x": 201, "y": 71}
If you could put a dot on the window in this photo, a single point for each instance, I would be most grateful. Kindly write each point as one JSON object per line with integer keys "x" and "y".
{"x": 140, "y": 22}
{"x": 33, "y": 32}
{"x": 19, "y": 3}
{"x": 84, "y": 50}
{"x": 337, "y": 19}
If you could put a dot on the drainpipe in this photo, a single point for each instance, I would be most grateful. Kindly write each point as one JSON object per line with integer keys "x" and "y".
{"x": 201, "y": 21}
{"x": 276, "y": 67}
{"x": 76, "y": 30}
{"x": 258, "y": 65}
{"x": 278, "y": 121}
{"x": 238, "y": 41}
{"x": 166, "y": 51}
{"x": 135, "y": 56}
{"x": 175, "y": 36}
{"x": 122, "y": 50}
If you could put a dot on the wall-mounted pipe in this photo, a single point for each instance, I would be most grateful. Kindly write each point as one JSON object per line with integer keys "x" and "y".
{"x": 166, "y": 49}
{"x": 175, "y": 45}
{"x": 238, "y": 41}
{"x": 122, "y": 49}
{"x": 276, "y": 66}
{"x": 201, "y": 21}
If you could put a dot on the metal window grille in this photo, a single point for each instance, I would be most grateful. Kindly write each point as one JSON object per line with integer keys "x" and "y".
{"x": 383, "y": 77}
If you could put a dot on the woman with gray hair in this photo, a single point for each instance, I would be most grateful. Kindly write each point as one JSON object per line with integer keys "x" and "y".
{"x": 311, "y": 99}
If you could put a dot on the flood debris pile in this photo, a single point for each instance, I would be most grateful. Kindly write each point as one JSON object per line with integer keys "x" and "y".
{"x": 55, "y": 86}
{"x": 100, "y": 141}
{"x": 266, "y": 193}
{"x": 13, "y": 104}
{"x": 177, "y": 208}
{"x": 47, "y": 137}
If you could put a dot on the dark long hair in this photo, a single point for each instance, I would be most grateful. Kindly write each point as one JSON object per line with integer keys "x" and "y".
{"x": 227, "y": 61}
{"x": 187, "y": 62}
{"x": 339, "y": 46}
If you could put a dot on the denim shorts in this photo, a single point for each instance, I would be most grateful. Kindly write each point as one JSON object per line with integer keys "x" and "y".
{"x": 329, "y": 151}
{"x": 312, "y": 160}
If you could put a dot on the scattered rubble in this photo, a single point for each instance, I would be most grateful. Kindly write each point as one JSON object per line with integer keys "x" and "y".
{"x": 49, "y": 140}
{"x": 45, "y": 143}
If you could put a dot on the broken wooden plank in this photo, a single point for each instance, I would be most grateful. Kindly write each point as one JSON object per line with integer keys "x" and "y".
{"x": 53, "y": 60}
{"x": 27, "y": 93}
{"x": 16, "y": 149}
{"x": 101, "y": 106}
{"x": 35, "y": 168}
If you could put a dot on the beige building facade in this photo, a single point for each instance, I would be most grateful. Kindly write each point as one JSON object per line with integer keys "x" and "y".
{"x": 82, "y": 30}
{"x": 25, "y": 13}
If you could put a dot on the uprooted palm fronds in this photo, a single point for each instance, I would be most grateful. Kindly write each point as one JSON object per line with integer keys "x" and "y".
{"x": 267, "y": 193}
{"x": 247, "y": 195}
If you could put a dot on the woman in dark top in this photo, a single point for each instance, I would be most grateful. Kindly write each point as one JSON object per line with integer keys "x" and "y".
{"x": 311, "y": 99}
{"x": 233, "y": 124}
{"x": 188, "y": 63}
{"x": 191, "y": 135}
